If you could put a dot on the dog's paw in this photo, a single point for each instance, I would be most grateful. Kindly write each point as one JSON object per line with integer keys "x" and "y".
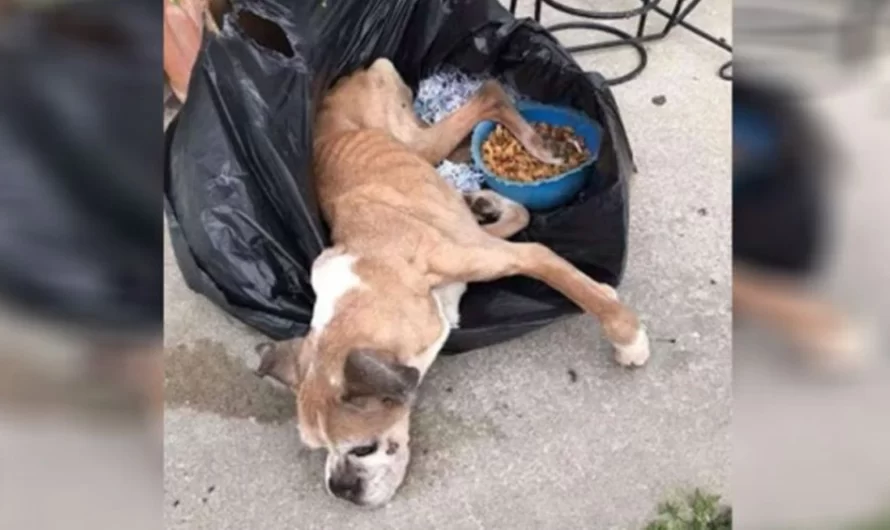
{"x": 483, "y": 208}
{"x": 847, "y": 348}
{"x": 636, "y": 353}
{"x": 536, "y": 146}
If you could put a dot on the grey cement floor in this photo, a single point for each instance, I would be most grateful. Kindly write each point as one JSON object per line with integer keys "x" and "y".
{"x": 503, "y": 437}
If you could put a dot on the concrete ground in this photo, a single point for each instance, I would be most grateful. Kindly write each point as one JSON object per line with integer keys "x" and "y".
{"x": 541, "y": 432}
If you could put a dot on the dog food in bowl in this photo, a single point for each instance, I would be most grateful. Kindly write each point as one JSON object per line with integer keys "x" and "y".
{"x": 507, "y": 158}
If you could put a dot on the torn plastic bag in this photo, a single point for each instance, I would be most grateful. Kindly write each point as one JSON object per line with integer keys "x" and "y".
{"x": 242, "y": 213}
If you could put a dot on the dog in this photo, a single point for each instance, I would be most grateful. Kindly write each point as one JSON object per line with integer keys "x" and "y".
{"x": 405, "y": 245}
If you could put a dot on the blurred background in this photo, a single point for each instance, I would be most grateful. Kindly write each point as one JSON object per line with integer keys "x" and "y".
{"x": 811, "y": 425}
{"x": 81, "y": 374}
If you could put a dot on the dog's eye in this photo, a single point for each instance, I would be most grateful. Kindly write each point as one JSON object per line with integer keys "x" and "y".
{"x": 364, "y": 450}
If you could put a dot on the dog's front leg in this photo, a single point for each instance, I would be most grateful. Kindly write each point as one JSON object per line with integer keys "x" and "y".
{"x": 493, "y": 258}
{"x": 439, "y": 141}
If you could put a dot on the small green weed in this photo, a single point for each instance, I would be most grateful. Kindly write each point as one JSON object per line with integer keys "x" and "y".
{"x": 698, "y": 511}
{"x": 880, "y": 522}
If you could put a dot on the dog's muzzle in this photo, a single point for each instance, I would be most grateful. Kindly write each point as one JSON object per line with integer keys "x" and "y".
{"x": 348, "y": 487}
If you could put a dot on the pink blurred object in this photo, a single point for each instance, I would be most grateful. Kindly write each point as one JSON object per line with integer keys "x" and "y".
{"x": 183, "y": 26}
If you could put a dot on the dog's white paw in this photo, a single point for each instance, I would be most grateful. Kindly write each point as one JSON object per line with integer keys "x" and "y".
{"x": 848, "y": 348}
{"x": 636, "y": 353}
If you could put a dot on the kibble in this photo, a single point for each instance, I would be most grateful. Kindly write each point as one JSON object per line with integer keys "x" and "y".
{"x": 507, "y": 158}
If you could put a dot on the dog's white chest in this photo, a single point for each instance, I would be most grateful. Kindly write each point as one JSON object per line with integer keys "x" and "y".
{"x": 332, "y": 277}
{"x": 447, "y": 299}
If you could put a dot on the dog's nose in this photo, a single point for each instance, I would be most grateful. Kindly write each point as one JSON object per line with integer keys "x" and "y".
{"x": 347, "y": 487}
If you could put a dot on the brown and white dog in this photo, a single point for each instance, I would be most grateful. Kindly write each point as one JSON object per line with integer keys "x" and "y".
{"x": 405, "y": 244}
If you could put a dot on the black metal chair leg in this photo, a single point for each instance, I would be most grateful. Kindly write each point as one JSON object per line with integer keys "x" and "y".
{"x": 641, "y": 26}
{"x": 724, "y": 71}
{"x": 625, "y": 39}
{"x": 676, "y": 17}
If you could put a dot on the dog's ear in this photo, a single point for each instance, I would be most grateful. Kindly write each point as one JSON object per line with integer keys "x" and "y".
{"x": 367, "y": 375}
{"x": 278, "y": 361}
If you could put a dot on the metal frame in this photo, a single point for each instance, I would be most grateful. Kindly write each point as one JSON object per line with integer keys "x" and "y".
{"x": 676, "y": 17}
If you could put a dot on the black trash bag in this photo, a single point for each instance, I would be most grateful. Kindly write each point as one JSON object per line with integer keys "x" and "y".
{"x": 780, "y": 209}
{"x": 81, "y": 240}
{"x": 241, "y": 208}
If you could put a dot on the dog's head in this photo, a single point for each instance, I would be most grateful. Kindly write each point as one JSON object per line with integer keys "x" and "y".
{"x": 367, "y": 438}
{"x": 358, "y": 413}
{"x": 354, "y": 399}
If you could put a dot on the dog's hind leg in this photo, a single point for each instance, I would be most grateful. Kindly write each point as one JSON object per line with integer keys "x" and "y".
{"x": 821, "y": 331}
{"x": 441, "y": 140}
{"x": 496, "y": 214}
{"x": 462, "y": 154}
{"x": 494, "y": 258}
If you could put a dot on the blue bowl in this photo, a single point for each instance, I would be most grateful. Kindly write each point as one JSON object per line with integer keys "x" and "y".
{"x": 557, "y": 190}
